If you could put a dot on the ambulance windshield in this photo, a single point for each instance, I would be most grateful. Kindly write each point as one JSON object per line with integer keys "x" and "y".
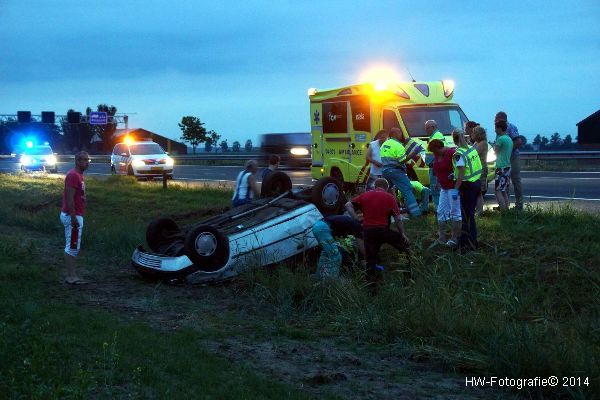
{"x": 447, "y": 118}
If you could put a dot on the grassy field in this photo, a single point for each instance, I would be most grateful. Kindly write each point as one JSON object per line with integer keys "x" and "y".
{"x": 527, "y": 304}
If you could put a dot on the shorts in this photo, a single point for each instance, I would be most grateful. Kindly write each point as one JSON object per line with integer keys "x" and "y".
{"x": 502, "y": 179}
{"x": 72, "y": 235}
{"x": 448, "y": 209}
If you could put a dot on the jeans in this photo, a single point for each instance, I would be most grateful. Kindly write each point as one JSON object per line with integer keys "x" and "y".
{"x": 374, "y": 238}
{"x": 515, "y": 177}
{"x": 330, "y": 259}
{"x": 469, "y": 192}
{"x": 399, "y": 178}
{"x": 425, "y": 199}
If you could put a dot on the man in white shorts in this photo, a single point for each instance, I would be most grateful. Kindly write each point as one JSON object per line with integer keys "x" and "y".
{"x": 71, "y": 216}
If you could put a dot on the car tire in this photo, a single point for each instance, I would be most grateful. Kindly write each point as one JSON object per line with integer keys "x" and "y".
{"x": 276, "y": 183}
{"x": 207, "y": 248}
{"x": 304, "y": 195}
{"x": 328, "y": 195}
{"x": 158, "y": 230}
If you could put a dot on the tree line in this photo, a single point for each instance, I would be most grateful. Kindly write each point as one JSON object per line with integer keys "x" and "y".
{"x": 194, "y": 133}
{"x": 555, "y": 142}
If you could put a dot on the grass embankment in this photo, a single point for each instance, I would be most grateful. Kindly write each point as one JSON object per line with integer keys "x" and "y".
{"x": 52, "y": 347}
{"x": 526, "y": 305}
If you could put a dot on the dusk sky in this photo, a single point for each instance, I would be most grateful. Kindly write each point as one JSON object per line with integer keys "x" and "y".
{"x": 244, "y": 67}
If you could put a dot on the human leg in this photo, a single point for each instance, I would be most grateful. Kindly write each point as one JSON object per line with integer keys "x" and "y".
{"x": 455, "y": 217}
{"x": 443, "y": 215}
{"x": 373, "y": 242}
{"x": 515, "y": 177}
{"x": 330, "y": 259}
{"x": 425, "y": 193}
{"x": 469, "y": 194}
{"x": 435, "y": 193}
{"x": 401, "y": 181}
{"x": 72, "y": 246}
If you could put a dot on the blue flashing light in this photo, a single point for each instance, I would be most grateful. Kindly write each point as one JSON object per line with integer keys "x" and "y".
{"x": 29, "y": 144}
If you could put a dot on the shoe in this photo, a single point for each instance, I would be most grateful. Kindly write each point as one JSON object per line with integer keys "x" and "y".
{"x": 451, "y": 243}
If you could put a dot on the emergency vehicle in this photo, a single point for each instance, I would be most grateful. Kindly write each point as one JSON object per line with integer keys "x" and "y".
{"x": 345, "y": 120}
{"x": 141, "y": 158}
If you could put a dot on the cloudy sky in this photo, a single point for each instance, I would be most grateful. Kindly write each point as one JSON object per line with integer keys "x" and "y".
{"x": 244, "y": 67}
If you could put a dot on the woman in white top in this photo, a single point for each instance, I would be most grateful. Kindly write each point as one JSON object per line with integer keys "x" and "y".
{"x": 246, "y": 187}
{"x": 374, "y": 157}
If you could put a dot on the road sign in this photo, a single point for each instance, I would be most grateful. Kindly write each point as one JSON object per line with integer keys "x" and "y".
{"x": 98, "y": 118}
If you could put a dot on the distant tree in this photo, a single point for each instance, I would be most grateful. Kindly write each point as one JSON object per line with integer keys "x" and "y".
{"x": 537, "y": 140}
{"x": 544, "y": 142}
{"x": 248, "y": 145}
{"x": 212, "y": 137}
{"x": 568, "y": 142}
{"x": 105, "y": 132}
{"x": 224, "y": 146}
{"x": 555, "y": 140}
{"x": 236, "y": 146}
{"x": 193, "y": 130}
{"x": 208, "y": 146}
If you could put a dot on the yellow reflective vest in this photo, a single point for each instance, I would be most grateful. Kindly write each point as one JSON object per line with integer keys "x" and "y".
{"x": 473, "y": 165}
{"x": 393, "y": 154}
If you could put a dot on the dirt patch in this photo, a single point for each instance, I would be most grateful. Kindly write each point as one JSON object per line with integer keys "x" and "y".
{"x": 323, "y": 365}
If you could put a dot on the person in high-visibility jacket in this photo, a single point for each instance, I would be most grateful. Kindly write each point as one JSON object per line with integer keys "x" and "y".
{"x": 431, "y": 129}
{"x": 421, "y": 193}
{"x": 393, "y": 158}
{"x": 467, "y": 171}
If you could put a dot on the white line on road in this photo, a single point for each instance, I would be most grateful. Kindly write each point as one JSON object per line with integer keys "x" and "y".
{"x": 556, "y": 177}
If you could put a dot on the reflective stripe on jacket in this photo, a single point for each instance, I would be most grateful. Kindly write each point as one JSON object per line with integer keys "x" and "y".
{"x": 473, "y": 165}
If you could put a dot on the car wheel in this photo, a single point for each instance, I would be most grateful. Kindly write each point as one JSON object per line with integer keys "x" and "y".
{"x": 158, "y": 231}
{"x": 276, "y": 183}
{"x": 328, "y": 195}
{"x": 304, "y": 195}
{"x": 207, "y": 248}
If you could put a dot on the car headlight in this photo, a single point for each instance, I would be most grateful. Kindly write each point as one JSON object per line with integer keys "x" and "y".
{"x": 169, "y": 161}
{"x": 25, "y": 160}
{"x": 138, "y": 163}
{"x": 299, "y": 151}
{"x": 51, "y": 159}
{"x": 491, "y": 156}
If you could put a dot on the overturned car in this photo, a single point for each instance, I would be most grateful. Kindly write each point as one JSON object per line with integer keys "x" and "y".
{"x": 267, "y": 231}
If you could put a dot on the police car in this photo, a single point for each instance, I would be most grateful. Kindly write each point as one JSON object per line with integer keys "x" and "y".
{"x": 264, "y": 232}
{"x": 38, "y": 158}
{"x": 142, "y": 159}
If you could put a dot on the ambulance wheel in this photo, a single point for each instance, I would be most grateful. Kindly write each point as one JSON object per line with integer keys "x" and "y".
{"x": 207, "y": 248}
{"x": 410, "y": 172}
{"x": 158, "y": 230}
{"x": 328, "y": 195}
{"x": 276, "y": 183}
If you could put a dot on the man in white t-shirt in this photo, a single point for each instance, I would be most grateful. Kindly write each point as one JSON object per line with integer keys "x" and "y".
{"x": 374, "y": 157}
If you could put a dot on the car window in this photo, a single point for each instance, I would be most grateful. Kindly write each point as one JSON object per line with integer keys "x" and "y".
{"x": 447, "y": 118}
{"x": 145, "y": 148}
{"x": 38, "y": 151}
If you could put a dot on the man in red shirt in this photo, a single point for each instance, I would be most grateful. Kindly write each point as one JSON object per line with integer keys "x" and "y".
{"x": 377, "y": 206}
{"x": 71, "y": 216}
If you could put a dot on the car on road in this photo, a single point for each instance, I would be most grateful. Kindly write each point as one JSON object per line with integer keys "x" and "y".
{"x": 293, "y": 149}
{"x": 38, "y": 158}
{"x": 142, "y": 159}
{"x": 264, "y": 232}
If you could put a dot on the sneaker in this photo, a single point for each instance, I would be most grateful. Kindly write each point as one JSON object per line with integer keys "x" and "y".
{"x": 451, "y": 243}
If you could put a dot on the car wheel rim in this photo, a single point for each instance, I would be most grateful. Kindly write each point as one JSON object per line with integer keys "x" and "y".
{"x": 206, "y": 244}
{"x": 330, "y": 194}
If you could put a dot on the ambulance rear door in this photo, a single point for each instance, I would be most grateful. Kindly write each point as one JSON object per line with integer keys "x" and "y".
{"x": 316, "y": 130}
{"x": 336, "y": 136}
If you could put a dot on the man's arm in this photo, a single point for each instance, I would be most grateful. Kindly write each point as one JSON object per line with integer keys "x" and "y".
{"x": 350, "y": 208}
{"x": 254, "y": 185}
{"x": 459, "y": 178}
{"x": 71, "y": 206}
{"x": 371, "y": 159}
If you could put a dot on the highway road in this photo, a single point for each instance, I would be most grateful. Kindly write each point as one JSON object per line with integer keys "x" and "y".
{"x": 582, "y": 189}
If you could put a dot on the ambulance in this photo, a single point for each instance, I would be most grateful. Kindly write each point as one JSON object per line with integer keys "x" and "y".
{"x": 345, "y": 120}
